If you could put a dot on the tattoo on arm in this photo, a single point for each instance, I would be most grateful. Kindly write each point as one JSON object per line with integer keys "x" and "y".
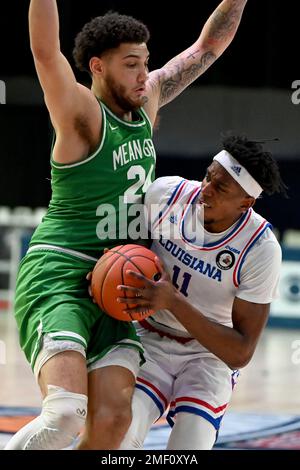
{"x": 221, "y": 25}
{"x": 225, "y": 23}
{"x": 216, "y": 35}
{"x": 182, "y": 77}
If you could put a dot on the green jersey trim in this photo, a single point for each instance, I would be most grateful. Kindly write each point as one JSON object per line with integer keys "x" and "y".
{"x": 60, "y": 249}
{"x": 121, "y": 121}
{"x": 63, "y": 166}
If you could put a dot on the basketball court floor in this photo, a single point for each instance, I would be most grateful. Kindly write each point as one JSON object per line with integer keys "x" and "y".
{"x": 264, "y": 412}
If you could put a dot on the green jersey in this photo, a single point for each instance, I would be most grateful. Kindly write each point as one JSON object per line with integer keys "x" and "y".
{"x": 95, "y": 202}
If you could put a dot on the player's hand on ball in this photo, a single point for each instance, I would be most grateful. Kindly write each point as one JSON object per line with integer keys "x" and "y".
{"x": 154, "y": 295}
{"x": 111, "y": 270}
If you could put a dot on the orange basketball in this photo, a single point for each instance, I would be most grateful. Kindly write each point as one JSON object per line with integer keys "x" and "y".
{"x": 111, "y": 271}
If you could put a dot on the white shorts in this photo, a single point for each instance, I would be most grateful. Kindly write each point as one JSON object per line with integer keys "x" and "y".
{"x": 119, "y": 356}
{"x": 185, "y": 377}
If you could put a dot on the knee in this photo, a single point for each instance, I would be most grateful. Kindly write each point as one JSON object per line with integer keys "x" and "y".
{"x": 106, "y": 428}
{"x": 62, "y": 418}
{"x": 65, "y": 411}
{"x": 111, "y": 419}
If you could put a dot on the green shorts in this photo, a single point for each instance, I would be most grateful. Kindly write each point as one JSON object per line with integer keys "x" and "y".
{"x": 52, "y": 298}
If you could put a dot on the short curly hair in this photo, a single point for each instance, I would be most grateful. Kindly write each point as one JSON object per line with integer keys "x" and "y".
{"x": 106, "y": 32}
{"x": 258, "y": 162}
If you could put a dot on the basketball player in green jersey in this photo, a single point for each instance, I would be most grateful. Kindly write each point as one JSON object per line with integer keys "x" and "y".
{"x": 102, "y": 162}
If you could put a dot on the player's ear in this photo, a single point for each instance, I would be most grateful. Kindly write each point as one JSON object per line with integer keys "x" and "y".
{"x": 247, "y": 202}
{"x": 96, "y": 65}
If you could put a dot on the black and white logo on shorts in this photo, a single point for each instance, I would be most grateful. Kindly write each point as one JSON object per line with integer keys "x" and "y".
{"x": 225, "y": 259}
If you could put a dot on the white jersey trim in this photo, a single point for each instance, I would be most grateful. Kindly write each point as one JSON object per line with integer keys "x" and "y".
{"x": 60, "y": 249}
{"x": 68, "y": 334}
{"x": 172, "y": 200}
{"x": 147, "y": 119}
{"x": 82, "y": 162}
{"x": 237, "y": 270}
{"x": 245, "y": 218}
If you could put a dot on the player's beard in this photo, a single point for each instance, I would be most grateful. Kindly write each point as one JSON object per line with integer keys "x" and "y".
{"x": 118, "y": 93}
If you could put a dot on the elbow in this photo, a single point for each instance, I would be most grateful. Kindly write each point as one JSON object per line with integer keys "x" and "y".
{"x": 216, "y": 46}
{"x": 241, "y": 360}
{"x": 40, "y": 54}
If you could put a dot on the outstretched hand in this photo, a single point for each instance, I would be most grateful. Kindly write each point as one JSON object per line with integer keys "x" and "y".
{"x": 154, "y": 295}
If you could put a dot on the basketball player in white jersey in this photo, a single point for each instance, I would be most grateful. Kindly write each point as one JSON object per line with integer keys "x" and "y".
{"x": 221, "y": 270}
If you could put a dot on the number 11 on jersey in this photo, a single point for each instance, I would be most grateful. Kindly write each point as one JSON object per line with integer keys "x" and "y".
{"x": 185, "y": 283}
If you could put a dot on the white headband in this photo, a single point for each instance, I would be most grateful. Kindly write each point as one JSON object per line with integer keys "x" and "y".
{"x": 239, "y": 173}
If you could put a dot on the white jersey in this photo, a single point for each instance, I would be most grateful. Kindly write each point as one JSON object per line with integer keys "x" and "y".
{"x": 210, "y": 270}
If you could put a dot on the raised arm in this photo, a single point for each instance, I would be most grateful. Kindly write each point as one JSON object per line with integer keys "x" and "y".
{"x": 219, "y": 30}
{"x": 66, "y": 100}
